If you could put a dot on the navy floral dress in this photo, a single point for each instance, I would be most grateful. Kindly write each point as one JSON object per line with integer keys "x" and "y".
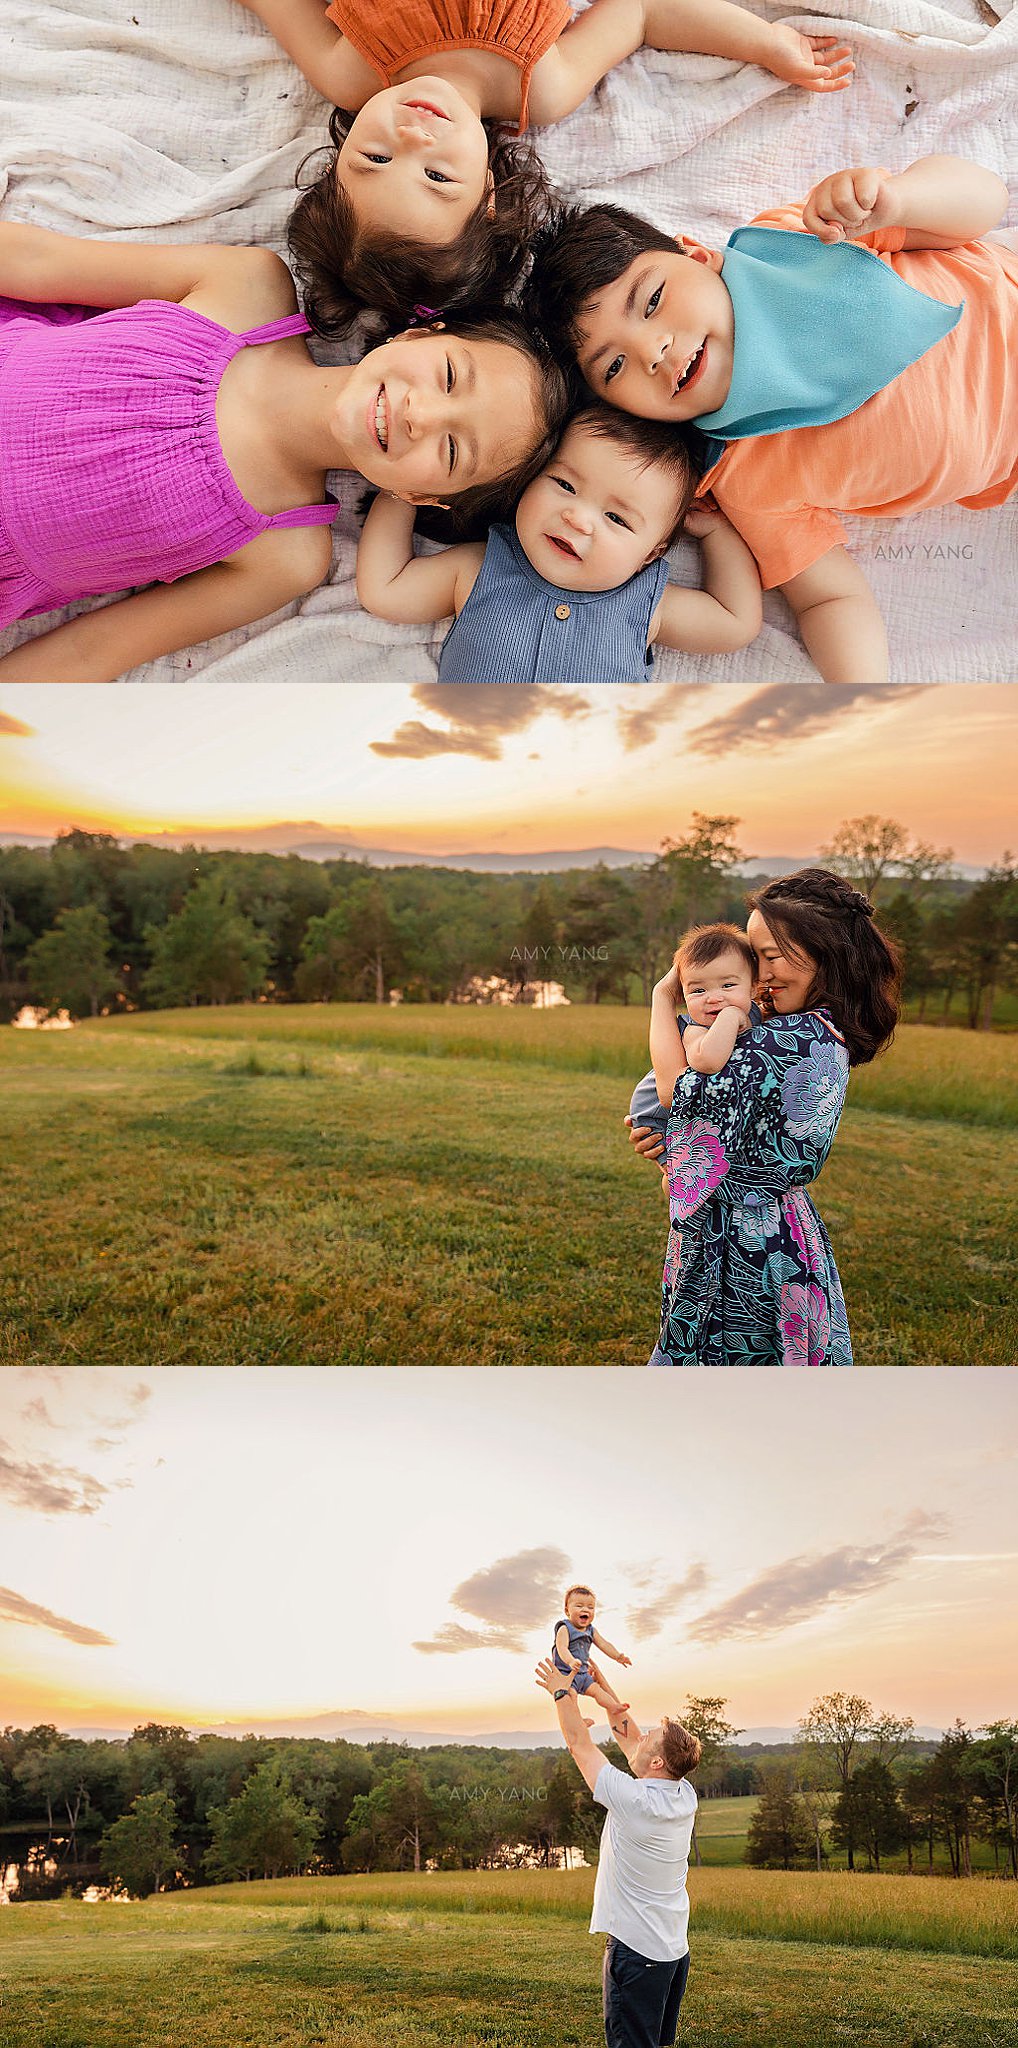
{"x": 749, "y": 1275}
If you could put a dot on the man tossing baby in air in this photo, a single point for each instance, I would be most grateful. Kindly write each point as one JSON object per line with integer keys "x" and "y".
{"x": 577, "y": 589}
{"x": 575, "y": 1635}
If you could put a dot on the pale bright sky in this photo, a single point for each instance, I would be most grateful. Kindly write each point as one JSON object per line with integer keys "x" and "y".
{"x": 490, "y": 769}
{"x": 259, "y": 1544}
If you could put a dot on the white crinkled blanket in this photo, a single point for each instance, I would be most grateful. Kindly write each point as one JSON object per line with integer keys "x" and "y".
{"x": 180, "y": 120}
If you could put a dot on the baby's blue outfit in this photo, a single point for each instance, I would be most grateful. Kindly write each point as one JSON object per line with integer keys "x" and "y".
{"x": 516, "y": 628}
{"x": 644, "y": 1106}
{"x": 580, "y": 1644}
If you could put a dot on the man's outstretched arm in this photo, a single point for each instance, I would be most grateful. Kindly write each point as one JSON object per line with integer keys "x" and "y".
{"x": 585, "y": 1753}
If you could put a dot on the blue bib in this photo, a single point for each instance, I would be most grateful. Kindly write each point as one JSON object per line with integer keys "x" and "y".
{"x": 819, "y": 328}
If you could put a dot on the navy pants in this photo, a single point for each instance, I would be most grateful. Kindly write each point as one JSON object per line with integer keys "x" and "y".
{"x": 641, "y": 1999}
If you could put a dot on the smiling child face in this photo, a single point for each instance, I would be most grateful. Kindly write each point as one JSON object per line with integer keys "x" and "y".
{"x": 597, "y": 514}
{"x": 416, "y": 158}
{"x": 580, "y": 1609}
{"x": 431, "y": 414}
{"x": 658, "y": 340}
{"x": 707, "y": 990}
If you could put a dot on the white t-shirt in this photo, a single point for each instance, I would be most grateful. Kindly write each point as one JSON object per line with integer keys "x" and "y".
{"x": 640, "y": 1891}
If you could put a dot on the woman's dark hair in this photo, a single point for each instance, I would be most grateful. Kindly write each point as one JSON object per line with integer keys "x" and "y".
{"x": 581, "y": 251}
{"x": 858, "y": 969}
{"x": 472, "y": 511}
{"x": 344, "y": 271}
{"x": 651, "y": 442}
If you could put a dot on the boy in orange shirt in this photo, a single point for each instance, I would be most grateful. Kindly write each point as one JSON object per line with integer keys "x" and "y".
{"x": 857, "y": 353}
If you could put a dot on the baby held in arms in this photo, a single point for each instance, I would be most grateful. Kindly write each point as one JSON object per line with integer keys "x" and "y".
{"x": 576, "y": 590}
{"x": 716, "y": 969}
{"x": 575, "y": 1636}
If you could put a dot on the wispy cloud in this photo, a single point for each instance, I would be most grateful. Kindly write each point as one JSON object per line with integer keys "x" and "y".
{"x": 801, "y": 1587}
{"x": 785, "y": 712}
{"x": 49, "y": 1489}
{"x": 15, "y": 728}
{"x": 513, "y": 1596}
{"x": 479, "y": 718}
{"x": 14, "y": 1607}
{"x": 648, "y": 1617}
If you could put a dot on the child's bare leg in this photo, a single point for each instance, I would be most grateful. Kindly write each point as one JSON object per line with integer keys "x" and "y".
{"x": 603, "y": 1696}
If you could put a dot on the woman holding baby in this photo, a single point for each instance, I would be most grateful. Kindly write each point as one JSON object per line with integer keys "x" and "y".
{"x": 749, "y": 1276}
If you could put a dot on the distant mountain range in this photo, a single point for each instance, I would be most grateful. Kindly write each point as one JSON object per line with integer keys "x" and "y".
{"x": 365, "y": 1728}
{"x": 312, "y": 841}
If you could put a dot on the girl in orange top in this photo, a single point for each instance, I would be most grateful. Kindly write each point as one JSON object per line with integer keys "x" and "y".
{"x": 426, "y": 201}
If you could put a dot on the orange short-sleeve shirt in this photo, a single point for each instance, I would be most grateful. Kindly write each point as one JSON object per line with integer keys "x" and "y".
{"x": 944, "y": 432}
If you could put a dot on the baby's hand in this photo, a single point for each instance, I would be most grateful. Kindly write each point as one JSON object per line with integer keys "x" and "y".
{"x": 625, "y": 1660}
{"x": 818, "y": 63}
{"x": 849, "y": 204}
{"x": 703, "y": 517}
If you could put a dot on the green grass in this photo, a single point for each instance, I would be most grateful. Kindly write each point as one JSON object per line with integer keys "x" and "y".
{"x": 350, "y": 1187}
{"x": 506, "y": 1962}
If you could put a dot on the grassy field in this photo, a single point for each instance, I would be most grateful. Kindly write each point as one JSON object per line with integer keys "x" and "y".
{"x": 505, "y": 1962}
{"x": 350, "y": 1186}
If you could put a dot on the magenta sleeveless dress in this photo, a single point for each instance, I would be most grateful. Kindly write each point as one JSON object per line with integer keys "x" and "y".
{"x": 111, "y": 470}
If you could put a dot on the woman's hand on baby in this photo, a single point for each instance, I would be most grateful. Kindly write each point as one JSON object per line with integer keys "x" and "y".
{"x": 669, "y": 983}
{"x": 818, "y": 63}
{"x": 849, "y": 204}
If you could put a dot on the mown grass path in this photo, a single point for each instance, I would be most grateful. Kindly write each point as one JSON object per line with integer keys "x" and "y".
{"x": 262, "y": 1187}
{"x": 506, "y": 1962}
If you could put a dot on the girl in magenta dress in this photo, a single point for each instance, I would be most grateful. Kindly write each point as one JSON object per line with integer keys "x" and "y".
{"x": 179, "y": 437}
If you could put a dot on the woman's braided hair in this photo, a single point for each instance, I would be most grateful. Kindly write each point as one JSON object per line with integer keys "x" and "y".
{"x": 858, "y": 968}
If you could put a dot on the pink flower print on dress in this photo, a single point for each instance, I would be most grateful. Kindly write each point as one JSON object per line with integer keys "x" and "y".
{"x": 804, "y": 1230}
{"x": 804, "y": 1323}
{"x": 696, "y": 1163}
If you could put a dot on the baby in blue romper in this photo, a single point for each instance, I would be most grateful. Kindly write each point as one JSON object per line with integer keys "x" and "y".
{"x": 717, "y": 968}
{"x": 576, "y": 590}
{"x": 575, "y": 1635}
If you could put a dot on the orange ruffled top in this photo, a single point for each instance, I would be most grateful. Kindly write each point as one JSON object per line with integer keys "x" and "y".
{"x": 390, "y": 34}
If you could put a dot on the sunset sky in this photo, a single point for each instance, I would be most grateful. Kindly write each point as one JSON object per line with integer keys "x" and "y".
{"x": 439, "y": 769}
{"x": 207, "y": 1546}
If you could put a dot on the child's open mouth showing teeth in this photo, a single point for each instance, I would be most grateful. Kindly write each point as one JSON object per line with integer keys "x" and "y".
{"x": 692, "y": 369}
{"x": 381, "y": 419}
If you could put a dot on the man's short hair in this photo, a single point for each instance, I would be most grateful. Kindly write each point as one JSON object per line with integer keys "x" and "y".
{"x": 680, "y": 1750}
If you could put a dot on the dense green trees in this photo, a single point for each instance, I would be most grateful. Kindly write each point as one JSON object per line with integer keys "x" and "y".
{"x": 165, "y": 1807}
{"x": 88, "y": 923}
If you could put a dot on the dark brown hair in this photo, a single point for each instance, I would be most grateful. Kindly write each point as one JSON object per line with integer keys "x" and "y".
{"x": 706, "y": 942}
{"x": 344, "y": 271}
{"x": 581, "y": 251}
{"x": 652, "y": 442}
{"x": 857, "y": 967}
{"x": 680, "y": 1749}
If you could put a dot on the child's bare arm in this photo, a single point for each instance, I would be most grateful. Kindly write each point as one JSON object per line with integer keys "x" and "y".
{"x": 409, "y": 589}
{"x": 727, "y": 612}
{"x": 562, "y": 1646}
{"x": 103, "y": 644}
{"x": 666, "y": 1054}
{"x": 609, "y": 1649}
{"x": 939, "y": 201}
{"x": 839, "y": 619}
{"x": 709, "y": 1049}
{"x": 614, "y": 29}
{"x": 47, "y": 268}
{"x": 328, "y": 61}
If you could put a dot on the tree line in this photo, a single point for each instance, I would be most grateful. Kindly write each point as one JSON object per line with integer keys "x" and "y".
{"x": 91, "y": 926}
{"x": 165, "y": 1808}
